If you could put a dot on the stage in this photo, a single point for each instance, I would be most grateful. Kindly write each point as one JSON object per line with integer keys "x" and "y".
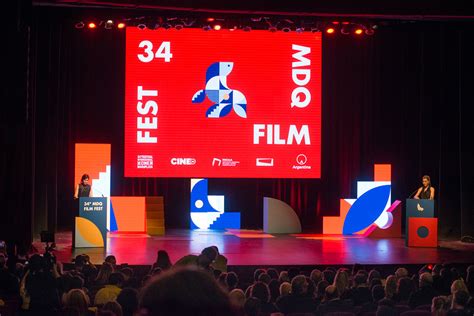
{"x": 255, "y": 248}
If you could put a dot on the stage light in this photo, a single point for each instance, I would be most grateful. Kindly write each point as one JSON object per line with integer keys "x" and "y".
{"x": 79, "y": 25}
{"x": 330, "y": 30}
{"x": 299, "y": 29}
{"x": 91, "y": 25}
{"x": 346, "y": 29}
{"x": 358, "y": 31}
{"x": 210, "y": 19}
{"x": 335, "y": 22}
{"x": 217, "y": 27}
{"x": 370, "y": 30}
{"x": 109, "y": 24}
{"x": 121, "y": 25}
{"x": 141, "y": 26}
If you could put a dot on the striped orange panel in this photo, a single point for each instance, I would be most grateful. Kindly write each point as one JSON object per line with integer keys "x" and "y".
{"x": 91, "y": 159}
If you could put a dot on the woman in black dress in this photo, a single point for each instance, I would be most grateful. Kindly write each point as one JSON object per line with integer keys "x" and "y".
{"x": 426, "y": 192}
{"x": 83, "y": 189}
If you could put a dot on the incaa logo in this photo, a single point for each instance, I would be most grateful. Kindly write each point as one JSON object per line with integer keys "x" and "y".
{"x": 183, "y": 161}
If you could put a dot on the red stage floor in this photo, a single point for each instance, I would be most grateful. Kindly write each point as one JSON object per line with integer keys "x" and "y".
{"x": 248, "y": 247}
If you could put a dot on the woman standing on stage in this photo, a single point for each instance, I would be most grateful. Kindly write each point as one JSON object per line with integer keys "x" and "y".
{"x": 83, "y": 189}
{"x": 426, "y": 192}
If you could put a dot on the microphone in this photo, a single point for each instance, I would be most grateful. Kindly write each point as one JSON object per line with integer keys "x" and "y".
{"x": 411, "y": 194}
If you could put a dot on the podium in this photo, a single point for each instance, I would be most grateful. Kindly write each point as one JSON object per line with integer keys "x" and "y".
{"x": 421, "y": 224}
{"x": 90, "y": 229}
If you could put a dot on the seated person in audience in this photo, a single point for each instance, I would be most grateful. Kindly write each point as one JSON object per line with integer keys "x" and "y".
{"x": 405, "y": 287}
{"x": 184, "y": 291}
{"x": 424, "y": 295}
{"x": 459, "y": 304}
{"x": 285, "y": 289}
{"x": 163, "y": 260}
{"x": 77, "y": 299}
{"x": 112, "y": 307}
{"x": 391, "y": 287}
{"x": 9, "y": 284}
{"x": 261, "y": 291}
{"x": 298, "y": 300}
{"x": 220, "y": 263}
{"x": 191, "y": 259}
{"x": 128, "y": 300}
{"x": 112, "y": 260}
{"x": 378, "y": 294}
{"x": 110, "y": 291}
{"x": 361, "y": 293}
{"x": 439, "y": 306}
{"x": 253, "y": 307}
{"x": 231, "y": 280}
{"x": 332, "y": 303}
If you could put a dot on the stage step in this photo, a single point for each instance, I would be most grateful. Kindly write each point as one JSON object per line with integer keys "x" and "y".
{"x": 155, "y": 216}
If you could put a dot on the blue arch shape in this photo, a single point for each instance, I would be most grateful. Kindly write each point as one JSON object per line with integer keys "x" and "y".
{"x": 366, "y": 209}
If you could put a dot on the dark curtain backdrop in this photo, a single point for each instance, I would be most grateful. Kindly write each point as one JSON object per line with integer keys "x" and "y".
{"x": 402, "y": 96}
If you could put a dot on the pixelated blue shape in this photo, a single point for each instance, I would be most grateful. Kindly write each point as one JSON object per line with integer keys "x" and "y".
{"x": 230, "y": 220}
{"x": 366, "y": 209}
{"x": 200, "y": 192}
{"x": 113, "y": 220}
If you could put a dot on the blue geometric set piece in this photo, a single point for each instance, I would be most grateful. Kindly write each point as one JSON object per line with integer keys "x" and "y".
{"x": 217, "y": 91}
{"x": 366, "y": 209}
{"x": 207, "y": 211}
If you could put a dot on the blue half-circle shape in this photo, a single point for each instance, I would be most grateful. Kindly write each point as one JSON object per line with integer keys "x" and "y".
{"x": 366, "y": 209}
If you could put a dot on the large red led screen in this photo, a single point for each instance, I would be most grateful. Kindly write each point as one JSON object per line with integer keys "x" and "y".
{"x": 222, "y": 104}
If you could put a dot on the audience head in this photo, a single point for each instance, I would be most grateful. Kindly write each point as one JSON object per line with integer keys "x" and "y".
{"x": 316, "y": 275}
{"x": 237, "y": 298}
{"x": 265, "y": 278}
{"x": 253, "y": 307}
{"x": 460, "y": 299}
{"x": 436, "y": 269}
{"x": 77, "y": 299}
{"x": 274, "y": 288}
{"x": 257, "y": 273}
{"x": 273, "y": 273}
{"x": 373, "y": 274}
{"x": 285, "y": 288}
{"x": 390, "y": 286}
{"x": 113, "y": 307}
{"x": 261, "y": 291}
{"x": 163, "y": 260}
{"x": 284, "y": 277}
{"x": 341, "y": 281}
{"x": 439, "y": 305}
{"x": 299, "y": 285}
{"x": 458, "y": 285}
{"x": 104, "y": 273}
{"x": 405, "y": 287}
{"x": 360, "y": 280}
{"x": 426, "y": 279}
{"x": 211, "y": 253}
{"x": 401, "y": 273}
{"x": 374, "y": 282}
{"x": 378, "y": 293}
{"x": 321, "y": 288}
{"x": 328, "y": 275}
{"x": 128, "y": 300}
{"x": 116, "y": 278}
{"x": 232, "y": 280}
{"x": 330, "y": 293}
{"x": 112, "y": 260}
{"x": 184, "y": 292}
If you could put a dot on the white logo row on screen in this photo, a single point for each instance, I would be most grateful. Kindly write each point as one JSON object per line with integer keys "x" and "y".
{"x": 146, "y": 162}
